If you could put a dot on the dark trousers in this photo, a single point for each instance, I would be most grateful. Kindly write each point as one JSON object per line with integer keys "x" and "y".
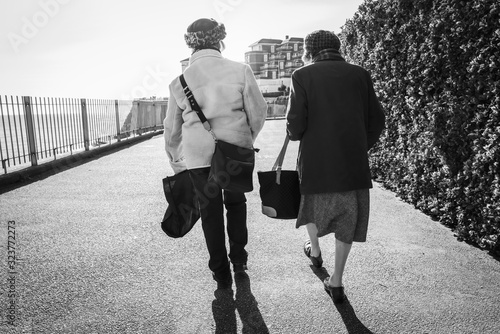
{"x": 212, "y": 200}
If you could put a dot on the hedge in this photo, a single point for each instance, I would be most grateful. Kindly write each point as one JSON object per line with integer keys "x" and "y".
{"x": 436, "y": 68}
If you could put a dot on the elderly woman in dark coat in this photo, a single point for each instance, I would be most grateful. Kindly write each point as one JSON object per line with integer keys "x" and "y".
{"x": 334, "y": 112}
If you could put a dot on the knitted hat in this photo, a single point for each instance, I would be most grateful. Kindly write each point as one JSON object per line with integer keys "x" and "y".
{"x": 204, "y": 33}
{"x": 319, "y": 40}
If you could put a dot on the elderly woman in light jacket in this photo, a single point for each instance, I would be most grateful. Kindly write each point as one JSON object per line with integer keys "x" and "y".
{"x": 228, "y": 95}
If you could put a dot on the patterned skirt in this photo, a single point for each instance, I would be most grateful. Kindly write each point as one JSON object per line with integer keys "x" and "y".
{"x": 343, "y": 213}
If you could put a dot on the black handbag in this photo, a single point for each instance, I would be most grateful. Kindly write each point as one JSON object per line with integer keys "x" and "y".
{"x": 182, "y": 211}
{"x": 231, "y": 166}
{"x": 280, "y": 189}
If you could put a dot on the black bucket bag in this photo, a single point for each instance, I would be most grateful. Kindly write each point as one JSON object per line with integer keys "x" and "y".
{"x": 280, "y": 189}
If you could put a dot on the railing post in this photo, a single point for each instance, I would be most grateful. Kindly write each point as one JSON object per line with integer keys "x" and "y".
{"x": 139, "y": 119}
{"x": 30, "y": 129}
{"x": 118, "y": 135}
{"x": 85, "y": 125}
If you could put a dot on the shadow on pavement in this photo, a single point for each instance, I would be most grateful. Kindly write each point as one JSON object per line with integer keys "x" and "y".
{"x": 345, "y": 309}
{"x": 224, "y": 309}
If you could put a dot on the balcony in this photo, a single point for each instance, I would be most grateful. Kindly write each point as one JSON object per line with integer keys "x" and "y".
{"x": 268, "y": 66}
{"x": 253, "y": 52}
{"x": 277, "y": 57}
{"x": 293, "y": 65}
{"x": 285, "y": 48}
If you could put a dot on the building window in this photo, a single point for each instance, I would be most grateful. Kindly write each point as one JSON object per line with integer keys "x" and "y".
{"x": 288, "y": 56}
{"x": 295, "y": 47}
{"x": 272, "y": 48}
{"x": 265, "y": 57}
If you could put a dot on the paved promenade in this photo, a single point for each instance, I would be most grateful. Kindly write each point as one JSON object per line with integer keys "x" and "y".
{"x": 91, "y": 258}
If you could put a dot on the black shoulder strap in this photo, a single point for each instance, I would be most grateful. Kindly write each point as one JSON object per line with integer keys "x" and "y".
{"x": 194, "y": 105}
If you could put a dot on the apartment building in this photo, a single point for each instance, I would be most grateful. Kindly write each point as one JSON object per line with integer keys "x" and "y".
{"x": 273, "y": 61}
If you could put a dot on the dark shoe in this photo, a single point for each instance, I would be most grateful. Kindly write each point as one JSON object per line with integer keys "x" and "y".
{"x": 317, "y": 261}
{"x": 337, "y": 293}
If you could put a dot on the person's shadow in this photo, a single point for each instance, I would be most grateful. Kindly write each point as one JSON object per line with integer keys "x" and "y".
{"x": 224, "y": 309}
{"x": 351, "y": 321}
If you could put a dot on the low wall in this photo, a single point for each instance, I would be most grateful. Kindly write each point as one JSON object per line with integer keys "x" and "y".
{"x": 144, "y": 114}
{"x": 276, "y": 110}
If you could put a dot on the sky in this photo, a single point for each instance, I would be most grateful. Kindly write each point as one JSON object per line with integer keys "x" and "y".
{"x": 125, "y": 49}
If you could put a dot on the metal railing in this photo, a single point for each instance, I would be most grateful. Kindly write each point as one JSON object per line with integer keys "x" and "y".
{"x": 285, "y": 47}
{"x": 276, "y": 108}
{"x": 34, "y": 130}
{"x": 268, "y": 66}
{"x": 277, "y": 57}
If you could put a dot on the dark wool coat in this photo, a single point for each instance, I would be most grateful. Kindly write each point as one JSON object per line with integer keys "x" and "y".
{"x": 334, "y": 112}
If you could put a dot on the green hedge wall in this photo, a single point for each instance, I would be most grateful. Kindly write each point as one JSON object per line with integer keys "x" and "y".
{"x": 436, "y": 68}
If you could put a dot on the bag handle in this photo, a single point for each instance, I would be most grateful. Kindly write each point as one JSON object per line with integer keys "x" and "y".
{"x": 279, "y": 160}
{"x": 196, "y": 108}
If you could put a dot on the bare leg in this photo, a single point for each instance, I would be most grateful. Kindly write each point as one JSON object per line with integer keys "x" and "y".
{"x": 341, "y": 253}
{"x": 312, "y": 230}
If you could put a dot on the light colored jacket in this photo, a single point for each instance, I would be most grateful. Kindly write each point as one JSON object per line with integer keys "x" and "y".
{"x": 228, "y": 95}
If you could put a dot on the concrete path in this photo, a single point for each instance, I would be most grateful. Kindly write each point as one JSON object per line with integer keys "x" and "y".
{"x": 91, "y": 258}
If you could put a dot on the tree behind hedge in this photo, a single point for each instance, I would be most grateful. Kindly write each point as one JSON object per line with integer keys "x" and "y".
{"x": 436, "y": 68}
